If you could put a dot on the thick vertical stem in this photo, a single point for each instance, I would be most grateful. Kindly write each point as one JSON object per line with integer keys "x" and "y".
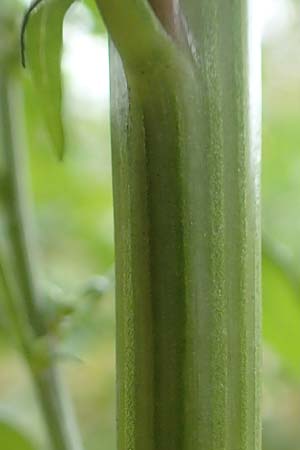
{"x": 185, "y": 137}
{"x": 23, "y": 296}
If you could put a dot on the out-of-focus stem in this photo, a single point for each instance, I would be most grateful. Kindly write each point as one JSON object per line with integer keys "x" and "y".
{"x": 24, "y": 310}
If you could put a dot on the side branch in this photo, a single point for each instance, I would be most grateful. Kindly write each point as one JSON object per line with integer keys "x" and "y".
{"x": 136, "y": 31}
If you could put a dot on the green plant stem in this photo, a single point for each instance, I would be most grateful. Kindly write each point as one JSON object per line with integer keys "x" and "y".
{"x": 19, "y": 333}
{"x": 62, "y": 431}
{"x": 185, "y": 141}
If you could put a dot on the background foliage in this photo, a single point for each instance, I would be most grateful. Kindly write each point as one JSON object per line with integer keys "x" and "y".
{"x": 73, "y": 228}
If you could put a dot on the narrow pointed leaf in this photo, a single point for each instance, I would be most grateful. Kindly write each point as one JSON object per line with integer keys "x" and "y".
{"x": 43, "y": 49}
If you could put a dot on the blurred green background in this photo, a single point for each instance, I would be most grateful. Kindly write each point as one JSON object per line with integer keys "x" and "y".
{"x": 73, "y": 229}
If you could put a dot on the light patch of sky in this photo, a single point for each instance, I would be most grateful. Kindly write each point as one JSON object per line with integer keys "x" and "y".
{"x": 276, "y": 17}
{"x": 86, "y": 67}
{"x": 85, "y": 62}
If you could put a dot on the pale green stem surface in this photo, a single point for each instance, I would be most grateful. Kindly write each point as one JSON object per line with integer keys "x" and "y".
{"x": 186, "y": 157}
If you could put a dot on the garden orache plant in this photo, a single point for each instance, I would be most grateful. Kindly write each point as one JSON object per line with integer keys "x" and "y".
{"x": 185, "y": 166}
{"x": 185, "y": 88}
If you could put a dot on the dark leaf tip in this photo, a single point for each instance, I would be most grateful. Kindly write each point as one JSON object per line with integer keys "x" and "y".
{"x": 25, "y": 20}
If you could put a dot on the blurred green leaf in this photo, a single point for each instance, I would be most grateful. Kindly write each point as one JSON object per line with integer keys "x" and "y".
{"x": 13, "y": 439}
{"x": 43, "y": 49}
{"x": 281, "y": 309}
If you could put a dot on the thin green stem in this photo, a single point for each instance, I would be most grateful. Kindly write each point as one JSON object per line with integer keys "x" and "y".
{"x": 18, "y": 329}
{"x": 15, "y": 203}
{"x": 60, "y": 423}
